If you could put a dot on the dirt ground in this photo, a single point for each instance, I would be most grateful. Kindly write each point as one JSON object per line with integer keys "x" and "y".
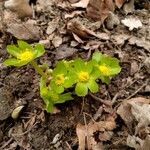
{"x": 109, "y": 117}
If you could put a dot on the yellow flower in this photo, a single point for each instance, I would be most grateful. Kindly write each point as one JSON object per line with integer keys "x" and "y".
{"x": 26, "y": 56}
{"x": 83, "y": 76}
{"x": 60, "y": 79}
{"x": 104, "y": 70}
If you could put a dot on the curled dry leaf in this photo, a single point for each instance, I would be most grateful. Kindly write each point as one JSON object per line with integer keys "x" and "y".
{"x": 81, "y": 3}
{"x": 99, "y": 9}
{"x": 85, "y": 133}
{"x": 132, "y": 23}
{"x": 79, "y": 29}
{"x": 21, "y": 7}
{"x": 135, "y": 108}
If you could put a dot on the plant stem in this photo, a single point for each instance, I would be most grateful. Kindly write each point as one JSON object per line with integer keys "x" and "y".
{"x": 38, "y": 69}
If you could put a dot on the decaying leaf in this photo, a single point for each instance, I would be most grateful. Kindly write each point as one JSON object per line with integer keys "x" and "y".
{"x": 63, "y": 52}
{"x": 132, "y": 23}
{"x": 140, "y": 42}
{"x": 85, "y": 133}
{"x": 79, "y": 29}
{"x": 141, "y": 114}
{"x": 120, "y": 39}
{"x": 81, "y": 3}
{"x": 57, "y": 41}
{"x": 99, "y": 9}
{"x": 119, "y": 3}
{"x": 24, "y": 31}
{"x": 138, "y": 143}
{"x": 21, "y": 7}
{"x": 135, "y": 108}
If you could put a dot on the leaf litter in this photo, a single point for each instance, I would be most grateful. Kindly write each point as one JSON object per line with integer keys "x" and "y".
{"x": 70, "y": 29}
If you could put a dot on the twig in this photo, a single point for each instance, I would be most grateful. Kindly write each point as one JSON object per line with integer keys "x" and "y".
{"x": 137, "y": 90}
{"x": 7, "y": 143}
{"x": 100, "y": 100}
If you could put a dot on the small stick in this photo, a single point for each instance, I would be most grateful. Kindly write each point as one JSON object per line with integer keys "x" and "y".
{"x": 137, "y": 91}
{"x": 100, "y": 100}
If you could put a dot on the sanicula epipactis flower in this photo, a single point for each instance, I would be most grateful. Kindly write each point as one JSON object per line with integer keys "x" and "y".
{"x": 85, "y": 77}
{"x": 106, "y": 66}
{"x": 23, "y": 54}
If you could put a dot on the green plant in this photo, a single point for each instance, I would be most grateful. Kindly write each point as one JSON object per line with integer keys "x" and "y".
{"x": 78, "y": 74}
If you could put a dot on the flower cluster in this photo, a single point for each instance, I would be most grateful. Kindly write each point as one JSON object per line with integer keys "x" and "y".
{"x": 78, "y": 75}
{"x": 83, "y": 76}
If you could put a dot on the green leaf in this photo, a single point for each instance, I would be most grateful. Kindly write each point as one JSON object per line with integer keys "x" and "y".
{"x": 24, "y": 45}
{"x": 105, "y": 79}
{"x": 93, "y": 86}
{"x": 14, "y": 62}
{"x": 81, "y": 89}
{"x": 88, "y": 67}
{"x": 39, "y": 49}
{"x": 97, "y": 56}
{"x": 79, "y": 65}
{"x": 49, "y": 106}
{"x": 60, "y": 69}
{"x": 56, "y": 88}
{"x": 13, "y": 50}
{"x": 69, "y": 82}
{"x": 64, "y": 97}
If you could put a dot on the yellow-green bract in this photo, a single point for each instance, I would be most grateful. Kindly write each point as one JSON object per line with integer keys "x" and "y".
{"x": 23, "y": 54}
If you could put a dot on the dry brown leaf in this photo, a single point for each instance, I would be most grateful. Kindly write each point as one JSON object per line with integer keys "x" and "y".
{"x": 99, "y": 9}
{"x": 80, "y": 31}
{"x": 21, "y": 7}
{"x": 57, "y": 41}
{"x": 80, "y": 131}
{"x": 128, "y": 111}
{"x": 85, "y": 133}
{"x": 24, "y": 31}
{"x": 140, "y": 42}
{"x": 119, "y": 3}
{"x": 81, "y": 3}
{"x": 64, "y": 51}
{"x": 141, "y": 114}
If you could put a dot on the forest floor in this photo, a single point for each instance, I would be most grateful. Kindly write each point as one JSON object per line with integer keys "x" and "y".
{"x": 118, "y": 116}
